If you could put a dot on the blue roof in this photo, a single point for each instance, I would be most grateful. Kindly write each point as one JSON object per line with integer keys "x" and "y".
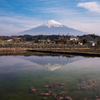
{"x": 91, "y": 41}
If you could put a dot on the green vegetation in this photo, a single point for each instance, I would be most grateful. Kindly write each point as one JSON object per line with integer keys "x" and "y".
{"x": 84, "y": 41}
{"x": 98, "y": 42}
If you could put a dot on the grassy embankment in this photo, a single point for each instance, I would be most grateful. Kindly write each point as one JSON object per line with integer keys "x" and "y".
{"x": 50, "y": 48}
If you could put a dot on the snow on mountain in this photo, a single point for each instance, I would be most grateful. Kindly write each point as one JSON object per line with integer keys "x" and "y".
{"x": 52, "y": 27}
{"x": 52, "y": 23}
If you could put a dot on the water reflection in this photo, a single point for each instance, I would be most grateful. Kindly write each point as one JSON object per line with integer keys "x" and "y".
{"x": 85, "y": 63}
{"x": 52, "y": 67}
{"x": 19, "y": 73}
{"x": 51, "y": 62}
{"x": 10, "y": 64}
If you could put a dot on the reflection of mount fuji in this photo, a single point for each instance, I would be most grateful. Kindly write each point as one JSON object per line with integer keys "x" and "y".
{"x": 51, "y": 62}
{"x": 52, "y": 67}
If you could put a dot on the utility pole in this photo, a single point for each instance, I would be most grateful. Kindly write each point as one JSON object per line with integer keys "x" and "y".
{"x": 67, "y": 38}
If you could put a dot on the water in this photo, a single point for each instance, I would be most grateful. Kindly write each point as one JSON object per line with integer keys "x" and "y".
{"x": 19, "y": 73}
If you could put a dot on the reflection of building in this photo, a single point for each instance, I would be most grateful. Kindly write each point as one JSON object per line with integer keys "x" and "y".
{"x": 52, "y": 67}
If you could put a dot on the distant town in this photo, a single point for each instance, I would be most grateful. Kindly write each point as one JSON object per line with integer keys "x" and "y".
{"x": 90, "y": 39}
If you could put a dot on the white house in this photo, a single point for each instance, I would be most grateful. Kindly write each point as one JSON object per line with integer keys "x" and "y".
{"x": 9, "y": 40}
{"x": 73, "y": 38}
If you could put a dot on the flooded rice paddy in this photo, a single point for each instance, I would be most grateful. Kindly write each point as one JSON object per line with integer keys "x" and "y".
{"x": 49, "y": 77}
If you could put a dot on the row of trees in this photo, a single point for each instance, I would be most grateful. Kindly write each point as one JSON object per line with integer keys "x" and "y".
{"x": 83, "y": 39}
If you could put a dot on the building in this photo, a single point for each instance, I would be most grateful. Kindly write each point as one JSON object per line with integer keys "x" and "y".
{"x": 9, "y": 40}
{"x": 91, "y": 43}
{"x": 44, "y": 41}
{"x": 41, "y": 41}
{"x": 73, "y": 38}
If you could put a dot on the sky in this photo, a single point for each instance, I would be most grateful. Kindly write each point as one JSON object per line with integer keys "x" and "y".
{"x": 21, "y": 15}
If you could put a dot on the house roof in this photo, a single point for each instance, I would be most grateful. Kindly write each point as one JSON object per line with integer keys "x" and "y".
{"x": 73, "y": 36}
{"x": 91, "y": 41}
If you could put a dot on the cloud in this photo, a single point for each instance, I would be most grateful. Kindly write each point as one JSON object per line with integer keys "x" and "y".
{"x": 66, "y": 15}
{"x": 9, "y": 29}
{"x": 85, "y": 24}
{"x": 14, "y": 24}
{"x": 19, "y": 20}
{"x": 90, "y": 6}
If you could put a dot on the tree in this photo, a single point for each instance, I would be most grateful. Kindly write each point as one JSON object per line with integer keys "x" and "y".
{"x": 84, "y": 41}
{"x": 98, "y": 42}
{"x": 65, "y": 41}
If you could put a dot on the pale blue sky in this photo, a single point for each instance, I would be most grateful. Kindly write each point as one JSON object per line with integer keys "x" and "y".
{"x": 20, "y": 15}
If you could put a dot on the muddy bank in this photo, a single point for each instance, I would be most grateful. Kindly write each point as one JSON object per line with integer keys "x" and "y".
{"x": 83, "y": 52}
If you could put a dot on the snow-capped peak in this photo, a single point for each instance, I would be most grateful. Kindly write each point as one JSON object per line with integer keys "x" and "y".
{"x": 51, "y": 23}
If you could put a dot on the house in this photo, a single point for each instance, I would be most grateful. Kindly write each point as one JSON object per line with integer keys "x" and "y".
{"x": 44, "y": 41}
{"x": 73, "y": 38}
{"x": 57, "y": 41}
{"x": 53, "y": 42}
{"x": 48, "y": 40}
{"x": 80, "y": 43}
{"x": 41, "y": 41}
{"x": 9, "y": 40}
{"x": 14, "y": 39}
{"x": 30, "y": 41}
{"x": 91, "y": 43}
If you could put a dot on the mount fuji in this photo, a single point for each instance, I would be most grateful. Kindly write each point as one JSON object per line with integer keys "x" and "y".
{"x": 52, "y": 27}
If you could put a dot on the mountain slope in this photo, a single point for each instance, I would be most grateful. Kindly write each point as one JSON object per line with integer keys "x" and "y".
{"x": 52, "y": 28}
